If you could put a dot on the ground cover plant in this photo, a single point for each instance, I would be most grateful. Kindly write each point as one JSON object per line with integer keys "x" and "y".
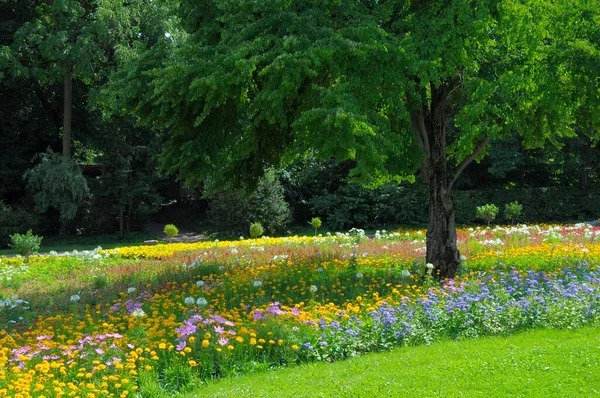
{"x": 163, "y": 319}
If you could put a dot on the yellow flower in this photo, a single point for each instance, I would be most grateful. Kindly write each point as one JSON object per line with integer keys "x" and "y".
{"x": 192, "y": 363}
{"x": 205, "y": 343}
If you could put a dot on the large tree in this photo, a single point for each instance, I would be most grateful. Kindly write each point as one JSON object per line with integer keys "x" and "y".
{"x": 395, "y": 86}
{"x": 67, "y": 40}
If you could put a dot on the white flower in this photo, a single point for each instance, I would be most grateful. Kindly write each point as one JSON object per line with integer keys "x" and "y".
{"x": 320, "y": 269}
{"x": 241, "y": 238}
{"x": 75, "y": 298}
{"x": 131, "y": 290}
{"x": 462, "y": 257}
{"x": 257, "y": 284}
{"x": 429, "y": 266}
{"x": 189, "y": 301}
{"x": 201, "y": 301}
{"x": 405, "y": 273}
{"x": 138, "y": 313}
{"x": 359, "y": 275}
{"x": 313, "y": 288}
{"x": 96, "y": 257}
{"x": 234, "y": 250}
{"x": 199, "y": 283}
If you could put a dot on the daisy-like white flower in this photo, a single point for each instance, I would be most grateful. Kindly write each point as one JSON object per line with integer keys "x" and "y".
{"x": 138, "y": 313}
{"x": 201, "y": 301}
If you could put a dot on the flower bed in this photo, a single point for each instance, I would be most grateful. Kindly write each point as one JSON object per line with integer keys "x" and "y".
{"x": 247, "y": 306}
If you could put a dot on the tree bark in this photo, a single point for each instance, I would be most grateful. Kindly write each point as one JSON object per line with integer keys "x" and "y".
{"x": 442, "y": 250}
{"x": 121, "y": 224}
{"x": 585, "y": 166}
{"x": 67, "y": 116}
{"x": 129, "y": 208}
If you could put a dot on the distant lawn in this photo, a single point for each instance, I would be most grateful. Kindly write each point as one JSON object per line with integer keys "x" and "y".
{"x": 543, "y": 363}
{"x": 87, "y": 243}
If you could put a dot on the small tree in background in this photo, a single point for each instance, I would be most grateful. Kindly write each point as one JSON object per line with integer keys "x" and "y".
{"x": 487, "y": 213}
{"x": 512, "y": 211}
{"x": 316, "y": 223}
{"x": 57, "y": 182}
{"x": 256, "y": 230}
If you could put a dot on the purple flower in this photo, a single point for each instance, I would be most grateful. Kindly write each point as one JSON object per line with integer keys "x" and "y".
{"x": 181, "y": 346}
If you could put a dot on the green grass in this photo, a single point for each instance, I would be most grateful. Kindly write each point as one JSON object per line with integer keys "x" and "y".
{"x": 543, "y": 363}
{"x": 87, "y": 243}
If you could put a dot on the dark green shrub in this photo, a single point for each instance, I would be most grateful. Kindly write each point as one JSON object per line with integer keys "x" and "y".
{"x": 14, "y": 220}
{"x": 232, "y": 211}
{"x": 57, "y": 182}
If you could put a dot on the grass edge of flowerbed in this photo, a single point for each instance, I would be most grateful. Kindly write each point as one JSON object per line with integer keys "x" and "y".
{"x": 540, "y": 362}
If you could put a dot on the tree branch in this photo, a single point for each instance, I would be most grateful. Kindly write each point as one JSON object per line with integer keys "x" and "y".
{"x": 478, "y": 149}
{"x": 420, "y": 132}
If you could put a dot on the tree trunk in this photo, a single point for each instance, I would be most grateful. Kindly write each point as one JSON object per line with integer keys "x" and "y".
{"x": 442, "y": 250}
{"x": 129, "y": 208}
{"x": 585, "y": 166}
{"x": 121, "y": 224}
{"x": 67, "y": 116}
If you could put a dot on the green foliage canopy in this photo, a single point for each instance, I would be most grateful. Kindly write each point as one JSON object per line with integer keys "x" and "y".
{"x": 250, "y": 84}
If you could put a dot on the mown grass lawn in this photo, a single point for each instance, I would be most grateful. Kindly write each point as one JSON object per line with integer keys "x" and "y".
{"x": 542, "y": 363}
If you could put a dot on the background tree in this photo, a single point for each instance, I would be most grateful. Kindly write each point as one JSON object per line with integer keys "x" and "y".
{"x": 68, "y": 40}
{"x": 57, "y": 182}
{"x": 391, "y": 85}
